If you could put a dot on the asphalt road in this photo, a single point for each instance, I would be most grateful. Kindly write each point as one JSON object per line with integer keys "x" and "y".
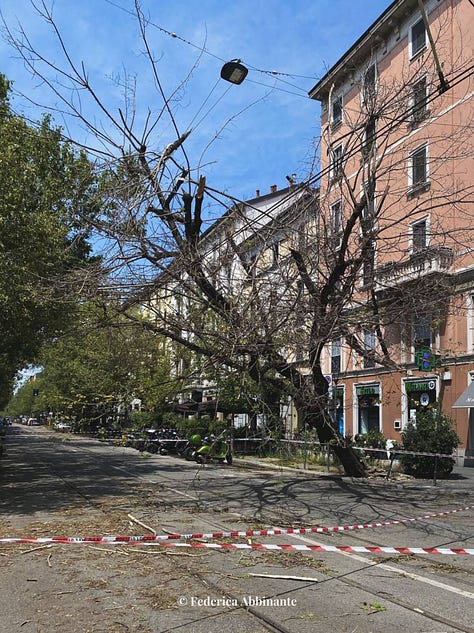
{"x": 62, "y": 485}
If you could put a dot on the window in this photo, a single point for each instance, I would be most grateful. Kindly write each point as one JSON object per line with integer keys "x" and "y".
{"x": 419, "y": 166}
{"x": 336, "y": 112}
{"x": 369, "y": 83}
{"x": 336, "y": 218}
{"x": 419, "y": 101}
{"x": 369, "y": 346}
{"x": 336, "y": 356}
{"x": 417, "y": 37}
{"x": 421, "y": 331}
{"x": 368, "y": 212}
{"x": 368, "y": 144}
{"x": 419, "y": 236}
{"x": 336, "y": 162}
{"x": 335, "y": 227}
{"x": 418, "y": 169}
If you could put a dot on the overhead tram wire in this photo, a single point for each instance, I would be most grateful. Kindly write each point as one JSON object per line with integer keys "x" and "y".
{"x": 455, "y": 80}
{"x": 390, "y": 126}
{"x": 191, "y": 123}
{"x": 202, "y": 49}
{"x": 276, "y": 74}
{"x": 290, "y": 92}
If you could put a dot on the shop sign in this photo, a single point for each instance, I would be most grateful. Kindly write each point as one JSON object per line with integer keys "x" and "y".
{"x": 370, "y": 390}
{"x": 420, "y": 386}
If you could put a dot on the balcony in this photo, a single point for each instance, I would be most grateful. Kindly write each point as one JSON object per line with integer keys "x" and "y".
{"x": 429, "y": 261}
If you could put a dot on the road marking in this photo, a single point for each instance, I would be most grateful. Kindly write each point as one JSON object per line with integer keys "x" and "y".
{"x": 400, "y": 572}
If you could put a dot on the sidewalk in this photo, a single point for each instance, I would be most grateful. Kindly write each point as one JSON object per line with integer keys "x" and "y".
{"x": 461, "y": 476}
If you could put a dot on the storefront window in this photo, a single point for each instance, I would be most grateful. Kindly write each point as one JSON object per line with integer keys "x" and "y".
{"x": 368, "y": 404}
{"x": 420, "y": 395}
{"x": 337, "y": 409}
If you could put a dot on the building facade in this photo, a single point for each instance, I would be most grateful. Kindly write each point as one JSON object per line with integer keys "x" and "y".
{"x": 396, "y": 143}
{"x": 244, "y": 257}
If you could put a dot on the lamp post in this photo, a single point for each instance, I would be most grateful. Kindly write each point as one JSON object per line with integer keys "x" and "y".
{"x": 234, "y": 72}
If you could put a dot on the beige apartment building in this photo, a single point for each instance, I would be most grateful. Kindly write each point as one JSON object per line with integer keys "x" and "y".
{"x": 396, "y": 137}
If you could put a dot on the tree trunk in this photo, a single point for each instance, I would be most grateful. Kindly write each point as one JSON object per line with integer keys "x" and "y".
{"x": 350, "y": 461}
{"x": 315, "y": 418}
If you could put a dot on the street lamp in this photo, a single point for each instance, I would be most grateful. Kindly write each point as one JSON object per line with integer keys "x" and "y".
{"x": 234, "y": 72}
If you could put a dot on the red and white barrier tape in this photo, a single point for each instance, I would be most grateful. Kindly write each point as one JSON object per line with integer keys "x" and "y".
{"x": 368, "y": 449}
{"x": 395, "y": 452}
{"x": 375, "y": 549}
{"x": 155, "y": 538}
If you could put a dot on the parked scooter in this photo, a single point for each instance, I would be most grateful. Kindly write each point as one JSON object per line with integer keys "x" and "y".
{"x": 190, "y": 448}
{"x": 214, "y": 449}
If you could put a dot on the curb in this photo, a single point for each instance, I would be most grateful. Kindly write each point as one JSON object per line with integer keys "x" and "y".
{"x": 249, "y": 463}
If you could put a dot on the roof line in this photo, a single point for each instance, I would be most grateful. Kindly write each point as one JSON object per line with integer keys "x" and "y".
{"x": 357, "y": 44}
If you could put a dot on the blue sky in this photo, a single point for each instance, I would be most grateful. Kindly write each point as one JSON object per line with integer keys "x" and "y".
{"x": 261, "y": 131}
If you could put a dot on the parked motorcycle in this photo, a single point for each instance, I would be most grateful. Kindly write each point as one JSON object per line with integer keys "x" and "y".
{"x": 151, "y": 443}
{"x": 170, "y": 442}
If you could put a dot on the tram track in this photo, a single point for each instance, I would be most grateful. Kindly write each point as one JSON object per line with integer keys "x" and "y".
{"x": 386, "y": 596}
{"x": 270, "y": 624}
{"x": 169, "y": 484}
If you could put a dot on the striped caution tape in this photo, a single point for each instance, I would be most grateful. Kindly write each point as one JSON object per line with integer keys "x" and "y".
{"x": 356, "y": 549}
{"x": 375, "y": 549}
{"x": 154, "y": 538}
{"x": 394, "y": 452}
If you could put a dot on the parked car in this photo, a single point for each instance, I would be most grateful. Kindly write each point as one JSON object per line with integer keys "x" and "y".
{"x": 32, "y": 422}
{"x": 62, "y": 426}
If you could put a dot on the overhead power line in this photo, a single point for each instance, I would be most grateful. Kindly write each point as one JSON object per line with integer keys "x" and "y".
{"x": 277, "y": 74}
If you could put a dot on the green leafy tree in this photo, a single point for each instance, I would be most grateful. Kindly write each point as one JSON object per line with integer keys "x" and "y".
{"x": 24, "y": 402}
{"x": 97, "y": 369}
{"x": 42, "y": 180}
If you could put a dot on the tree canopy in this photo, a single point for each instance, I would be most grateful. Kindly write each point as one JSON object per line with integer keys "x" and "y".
{"x": 43, "y": 183}
{"x": 96, "y": 369}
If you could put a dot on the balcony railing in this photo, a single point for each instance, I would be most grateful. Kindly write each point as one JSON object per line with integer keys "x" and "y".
{"x": 431, "y": 260}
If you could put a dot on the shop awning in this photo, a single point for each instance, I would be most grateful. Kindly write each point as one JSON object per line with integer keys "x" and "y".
{"x": 466, "y": 399}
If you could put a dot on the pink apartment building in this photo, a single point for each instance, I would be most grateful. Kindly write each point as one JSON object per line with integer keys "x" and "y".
{"x": 396, "y": 131}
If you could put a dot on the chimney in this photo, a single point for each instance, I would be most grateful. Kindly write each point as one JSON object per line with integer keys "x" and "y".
{"x": 273, "y": 189}
{"x": 257, "y": 193}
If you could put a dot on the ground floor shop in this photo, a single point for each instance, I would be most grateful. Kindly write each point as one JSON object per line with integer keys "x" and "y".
{"x": 387, "y": 402}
